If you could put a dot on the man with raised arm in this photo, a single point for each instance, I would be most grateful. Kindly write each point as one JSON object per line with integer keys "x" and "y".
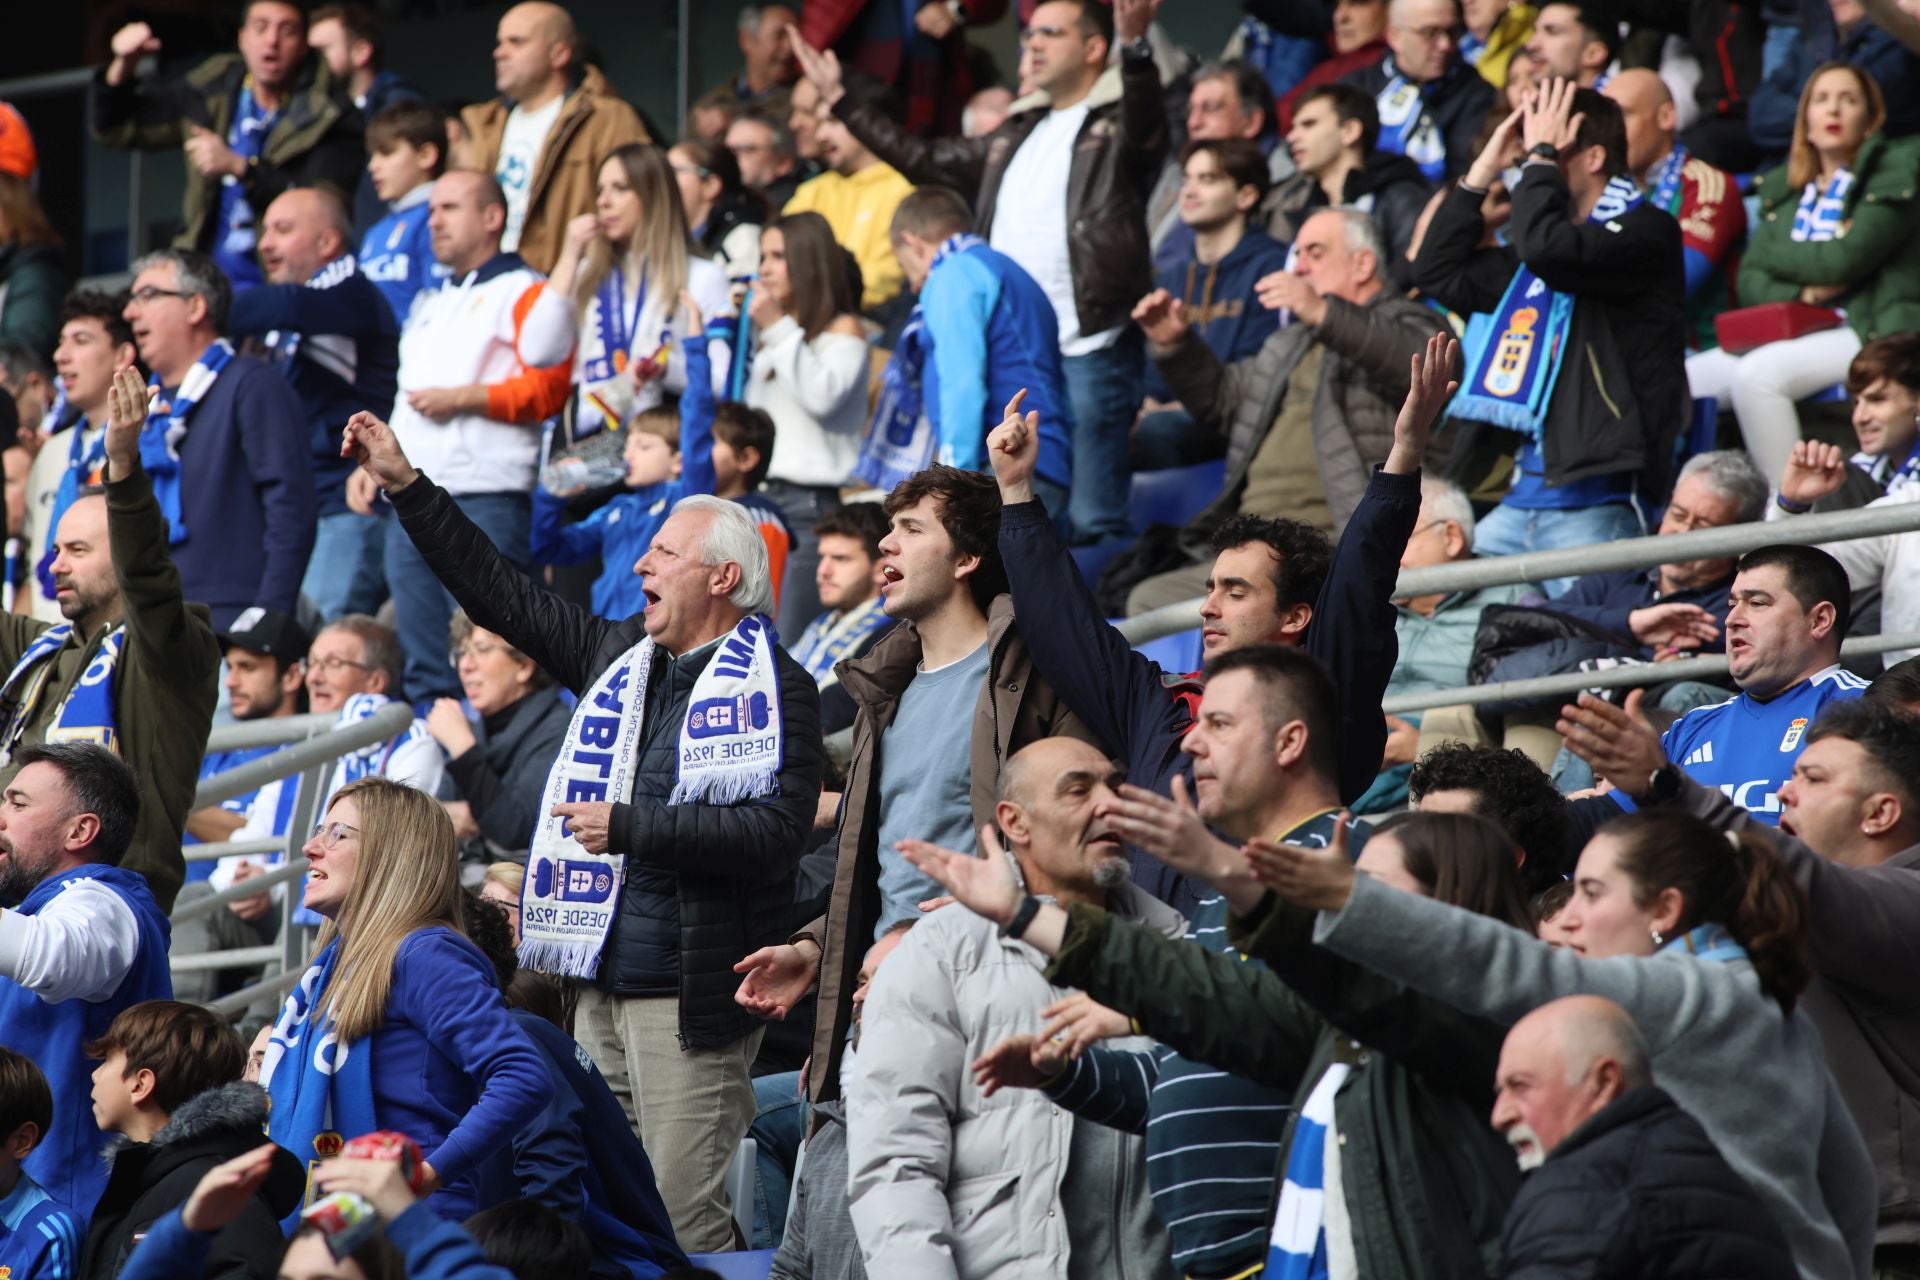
{"x": 1141, "y": 711}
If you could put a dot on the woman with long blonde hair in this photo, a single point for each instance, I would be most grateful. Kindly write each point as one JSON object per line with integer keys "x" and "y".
{"x": 399, "y": 1022}
{"x": 613, "y": 298}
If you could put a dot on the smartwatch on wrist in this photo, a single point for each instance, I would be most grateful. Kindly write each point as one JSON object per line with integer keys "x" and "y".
{"x": 1544, "y": 151}
{"x": 1022, "y": 918}
{"x": 1663, "y": 784}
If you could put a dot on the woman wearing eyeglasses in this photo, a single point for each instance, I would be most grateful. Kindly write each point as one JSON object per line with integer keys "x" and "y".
{"x": 499, "y": 765}
{"x": 398, "y": 1023}
{"x": 725, "y": 216}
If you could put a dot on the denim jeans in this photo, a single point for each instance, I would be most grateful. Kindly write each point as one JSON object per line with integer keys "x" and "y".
{"x": 801, "y": 504}
{"x": 423, "y": 608}
{"x": 779, "y": 1127}
{"x": 1171, "y": 438}
{"x": 1508, "y": 531}
{"x": 1106, "y": 388}
{"x": 347, "y": 573}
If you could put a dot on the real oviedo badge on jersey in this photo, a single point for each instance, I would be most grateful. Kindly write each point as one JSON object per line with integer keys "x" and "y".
{"x": 1794, "y": 731}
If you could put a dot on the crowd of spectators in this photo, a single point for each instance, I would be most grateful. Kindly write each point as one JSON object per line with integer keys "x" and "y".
{"x": 730, "y": 534}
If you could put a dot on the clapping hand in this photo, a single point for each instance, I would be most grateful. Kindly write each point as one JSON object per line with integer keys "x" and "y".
{"x": 1018, "y": 1062}
{"x": 1619, "y": 742}
{"x": 1079, "y": 1022}
{"x": 777, "y": 979}
{"x": 988, "y": 886}
{"x": 1673, "y": 627}
{"x": 1814, "y": 471}
{"x": 1318, "y": 879}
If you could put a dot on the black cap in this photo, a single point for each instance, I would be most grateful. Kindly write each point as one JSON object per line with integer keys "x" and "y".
{"x": 268, "y": 632}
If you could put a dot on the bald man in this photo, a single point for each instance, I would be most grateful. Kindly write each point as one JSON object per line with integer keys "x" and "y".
{"x": 1622, "y": 1181}
{"x": 1705, "y": 200}
{"x": 330, "y": 331}
{"x": 544, "y": 137}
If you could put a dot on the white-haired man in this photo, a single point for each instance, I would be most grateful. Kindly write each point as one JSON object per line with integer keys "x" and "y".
{"x": 676, "y": 812}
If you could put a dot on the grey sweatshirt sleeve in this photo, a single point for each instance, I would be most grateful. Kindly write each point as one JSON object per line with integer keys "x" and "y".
{"x": 1484, "y": 967}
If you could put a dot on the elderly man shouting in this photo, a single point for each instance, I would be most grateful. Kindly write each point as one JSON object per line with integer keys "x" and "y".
{"x": 675, "y": 814}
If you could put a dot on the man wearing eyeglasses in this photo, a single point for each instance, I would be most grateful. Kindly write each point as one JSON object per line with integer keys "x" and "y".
{"x": 354, "y": 668}
{"x": 1431, "y": 102}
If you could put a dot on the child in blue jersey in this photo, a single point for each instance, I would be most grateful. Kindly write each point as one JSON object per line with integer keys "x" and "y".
{"x": 669, "y": 457}
{"x": 742, "y": 452}
{"x": 39, "y": 1236}
{"x": 406, "y": 151}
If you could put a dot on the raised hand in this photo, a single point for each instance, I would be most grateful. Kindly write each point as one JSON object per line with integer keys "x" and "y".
{"x": 822, "y": 66}
{"x": 1619, "y": 742}
{"x": 1285, "y": 291}
{"x": 1431, "y": 386}
{"x": 1131, "y": 18}
{"x": 1671, "y": 627}
{"x": 988, "y": 885}
{"x": 130, "y": 43}
{"x": 1170, "y": 828}
{"x": 1492, "y": 160}
{"x": 1318, "y": 879}
{"x": 777, "y": 979}
{"x": 127, "y": 399}
{"x": 1550, "y": 116}
{"x": 696, "y": 319}
{"x": 1013, "y": 448}
{"x": 1079, "y": 1022}
{"x": 1162, "y": 317}
{"x": 224, "y": 1190}
{"x": 1018, "y": 1062}
{"x": 372, "y": 444}
{"x": 1814, "y": 470}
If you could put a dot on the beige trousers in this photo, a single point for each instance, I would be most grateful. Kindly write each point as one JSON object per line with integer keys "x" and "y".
{"x": 1531, "y": 732}
{"x": 691, "y": 1107}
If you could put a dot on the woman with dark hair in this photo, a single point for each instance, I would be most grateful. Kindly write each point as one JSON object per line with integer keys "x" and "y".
{"x": 1702, "y": 938}
{"x": 1404, "y": 1082}
{"x": 726, "y": 218}
{"x": 613, "y": 298}
{"x": 32, "y": 281}
{"x": 1835, "y": 231}
{"x": 810, "y": 373}
{"x": 498, "y": 765}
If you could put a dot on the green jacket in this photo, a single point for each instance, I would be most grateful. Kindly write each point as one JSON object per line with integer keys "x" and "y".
{"x": 164, "y": 683}
{"x": 33, "y": 284}
{"x": 316, "y": 142}
{"x": 1877, "y": 257}
{"x": 1427, "y": 1181}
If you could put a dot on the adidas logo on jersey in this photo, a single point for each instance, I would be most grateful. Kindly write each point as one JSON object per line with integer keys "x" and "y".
{"x": 1703, "y": 754}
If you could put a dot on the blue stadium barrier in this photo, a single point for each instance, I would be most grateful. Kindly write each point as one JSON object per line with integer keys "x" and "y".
{"x": 1178, "y": 653}
{"x": 747, "y": 1265}
{"x": 1175, "y": 495}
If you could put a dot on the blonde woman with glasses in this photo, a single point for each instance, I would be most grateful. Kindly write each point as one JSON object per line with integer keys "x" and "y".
{"x": 399, "y": 1022}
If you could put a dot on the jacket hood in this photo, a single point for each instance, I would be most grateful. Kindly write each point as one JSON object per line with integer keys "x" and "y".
{"x": 239, "y": 1105}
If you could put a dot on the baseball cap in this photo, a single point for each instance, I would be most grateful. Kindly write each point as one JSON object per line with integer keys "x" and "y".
{"x": 268, "y": 632}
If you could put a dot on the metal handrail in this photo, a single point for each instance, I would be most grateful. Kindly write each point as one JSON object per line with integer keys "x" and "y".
{"x": 275, "y": 731}
{"x": 1636, "y": 675}
{"x": 238, "y": 958}
{"x": 385, "y": 723}
{"x": 249, "y": 888}
{"x": 268, "y": 989}
{"x": 1630, "y": 553}
{"x": 216, "y": 850}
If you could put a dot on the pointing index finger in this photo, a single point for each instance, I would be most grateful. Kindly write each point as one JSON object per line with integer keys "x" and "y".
{"x": 1013, "y": 405}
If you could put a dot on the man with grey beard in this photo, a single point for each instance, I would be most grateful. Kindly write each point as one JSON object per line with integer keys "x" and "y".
{"x": 1622, "y": 1181}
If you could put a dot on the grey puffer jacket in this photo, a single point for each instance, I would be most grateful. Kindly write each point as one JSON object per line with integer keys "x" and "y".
{"x": 705, "y": 884}
{"x": 1363, "y": 379}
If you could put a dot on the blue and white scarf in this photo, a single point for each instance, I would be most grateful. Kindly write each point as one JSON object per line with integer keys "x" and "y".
{"x": 1821, "y": 211}
{"x": 833, "y": 636}
{"x": 1904, "y": 477}
{"x": 1668, "y": 190}
{"x": 730, "y": 751}
{"x": 1406, "y": 128}
{"x": 1709, "y": 942}
{"x": 167, "y": 427}
{"x": 1297, "y": 1248}
{"x": 902, "y": 438}
{"x": 84, "y": 461}
{"x": 1511, "y": 374}
{"x": 87, "y": 714}
{"x": 320, "y": 1089}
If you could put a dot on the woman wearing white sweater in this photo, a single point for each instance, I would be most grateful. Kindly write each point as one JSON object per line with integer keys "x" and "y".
{"x": 810, "y": 372}
{"x": 613, "y": 297}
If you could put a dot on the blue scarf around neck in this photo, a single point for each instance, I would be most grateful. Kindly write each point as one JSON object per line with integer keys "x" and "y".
{"x": 87, "y": 714}
{"x": 85, "y": 462}
{"x": 1822, "y": 209}
{"x": 1406, "y": 128}
{"x": 166, "y": 428}
{"x": 1511, "y": 374}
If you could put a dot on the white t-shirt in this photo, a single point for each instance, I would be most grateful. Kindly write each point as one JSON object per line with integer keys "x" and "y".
{"x": 1030, "y": 221}
{"x": 519, "y": 157}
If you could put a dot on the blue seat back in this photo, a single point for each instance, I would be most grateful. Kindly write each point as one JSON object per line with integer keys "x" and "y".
{"x": 750, "y": 1264}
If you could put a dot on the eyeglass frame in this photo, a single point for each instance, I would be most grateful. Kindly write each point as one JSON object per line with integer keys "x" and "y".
{"x": 330, "y": 833}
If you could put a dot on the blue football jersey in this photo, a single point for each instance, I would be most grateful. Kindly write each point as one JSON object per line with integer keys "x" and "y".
{"x": 1747, "y": 747}
{"x": 397, "y": 255}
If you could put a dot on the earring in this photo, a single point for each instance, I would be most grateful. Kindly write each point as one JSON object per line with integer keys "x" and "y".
{"x": 1658, "y": 941}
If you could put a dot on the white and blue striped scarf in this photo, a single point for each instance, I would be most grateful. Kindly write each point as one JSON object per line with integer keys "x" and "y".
{"x": 167, "y": 427}
{"x": 1297, "y": 1249}
{"x": 87, "y": 714}
{"x": 1819, "y": 216}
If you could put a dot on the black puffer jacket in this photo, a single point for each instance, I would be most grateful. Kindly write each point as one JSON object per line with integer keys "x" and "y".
{"x": 1639, "y": 1192}
{"x": 1458, "y": 103}
{"x": 151, "y": 1179}
{"x": 705, "y": 884}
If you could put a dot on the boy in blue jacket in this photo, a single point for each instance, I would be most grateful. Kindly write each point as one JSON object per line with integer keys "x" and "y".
{"x": 660, "y": 471}
{"x": 39, "y": 1236}
{"x": 406, "y": 151}
{"x": 992, "y": 331}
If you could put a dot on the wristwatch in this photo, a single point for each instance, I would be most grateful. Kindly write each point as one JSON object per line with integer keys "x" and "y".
{"x": 1663, "y": 784}
{"x": 1544, "y": 151}
{"x": 1022, "y": 917}
{"x": 1137, "y": 48}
